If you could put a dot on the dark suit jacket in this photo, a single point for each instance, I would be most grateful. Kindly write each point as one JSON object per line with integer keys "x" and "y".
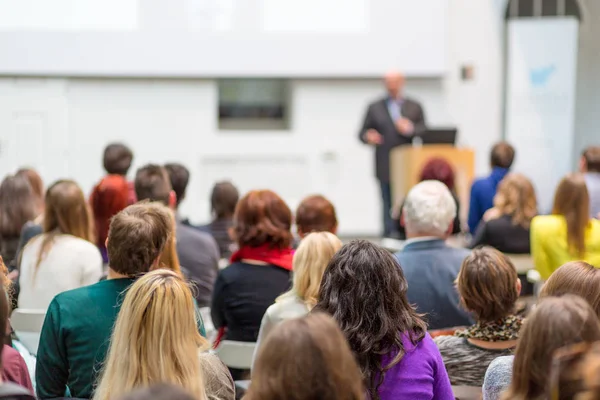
{"x": 378, "y": 118}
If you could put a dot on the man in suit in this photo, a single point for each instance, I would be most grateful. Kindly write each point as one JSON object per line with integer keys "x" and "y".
{"x": 429, "y": 265}
{"x": 390, "y": 122}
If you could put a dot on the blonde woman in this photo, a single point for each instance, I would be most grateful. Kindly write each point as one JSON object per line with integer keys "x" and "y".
{"x": 64, "y": 256}
{"x": 309, "y": 263}
{"x": 156, "y": 340}
{"x": 506, "y": 226}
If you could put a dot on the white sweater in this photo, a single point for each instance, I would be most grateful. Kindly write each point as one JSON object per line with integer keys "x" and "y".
{"x": 70, "y": 263}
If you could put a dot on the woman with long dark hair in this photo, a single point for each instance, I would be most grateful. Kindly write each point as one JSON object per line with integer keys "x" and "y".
{"x": 364, "y": 289}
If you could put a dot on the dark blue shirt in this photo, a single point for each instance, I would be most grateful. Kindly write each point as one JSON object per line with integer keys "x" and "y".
{"x": 482, "y": 196}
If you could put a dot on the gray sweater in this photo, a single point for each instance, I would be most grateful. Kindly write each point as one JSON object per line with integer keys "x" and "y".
{"x": 498, "y": 377}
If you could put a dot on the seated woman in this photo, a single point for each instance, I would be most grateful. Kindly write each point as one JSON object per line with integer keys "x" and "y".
{"x": 315, "y": 214}
{"x": 365, "y": 291}
{"x": 506, "y": 226}
{"x": 223, "y": 199}
{"x": 556, "y": 322}
{"x": 64, "y": 257}
{"x": 310, "y": 260}
{"x": 568, "y": 234}
{"x": 436, "y": 169}
{"x": 156, "y": 340}
{"x": 308, "y": 357}
{"x": 489, "y": 288}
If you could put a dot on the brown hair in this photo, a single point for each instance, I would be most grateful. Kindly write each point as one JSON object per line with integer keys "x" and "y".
{"x": 152, "y": 183}
{"x": 262, "y": 217}
{"x": 17, "y": 205}
{"x": 117, "y": 159}
{"x": 502, "y": 155}
{"x": 576, "y": 373}
{"x": 169, "y": 258}
{"x": 66, "y": 213}
{"x": 4, "y": 314}
{"x": 487, "y": 284}
{"x": 516, "y": 197}
{"x": 591, "y": 156}
{"x": 316, "y": 214}
{"x": 304, "y": 359}
{"x": 554, "y": 323}
{"x": 572, "y": 201}
{"x": 223, "y": 199}
{"x": 179, "y": 176}
{"x": 36, "y": 183}
{"x": 576, "y": 277}
{"x": 137, "y": 237}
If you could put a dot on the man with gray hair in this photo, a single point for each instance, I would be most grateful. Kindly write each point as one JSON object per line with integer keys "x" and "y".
{"x": 430, "y": 266}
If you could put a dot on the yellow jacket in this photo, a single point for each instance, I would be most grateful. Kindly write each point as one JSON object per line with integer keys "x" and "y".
{"x": 549, "y": 247}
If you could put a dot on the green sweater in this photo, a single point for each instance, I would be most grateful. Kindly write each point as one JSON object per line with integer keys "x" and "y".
{"x": 76, "y": 336}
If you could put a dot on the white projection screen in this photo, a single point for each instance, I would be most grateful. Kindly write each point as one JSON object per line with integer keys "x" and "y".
{"x": 221, "y": 38}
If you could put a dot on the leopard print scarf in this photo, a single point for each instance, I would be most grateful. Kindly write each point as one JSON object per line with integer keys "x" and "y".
{"x": 496, "y": 331}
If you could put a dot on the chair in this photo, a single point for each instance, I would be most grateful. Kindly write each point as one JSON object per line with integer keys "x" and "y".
{"x": 209, "y": 327}
{"x": 467, "y": 392}
{"x": 236, "y": 354}
{"x": 522, "y": 262}
{"x": 27, "y": 324}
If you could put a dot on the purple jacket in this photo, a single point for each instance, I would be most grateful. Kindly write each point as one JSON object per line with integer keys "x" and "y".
{"x": 420, "y": 375}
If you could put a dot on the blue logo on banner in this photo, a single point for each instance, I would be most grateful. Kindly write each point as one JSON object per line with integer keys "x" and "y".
{"x": 539, "y": 76}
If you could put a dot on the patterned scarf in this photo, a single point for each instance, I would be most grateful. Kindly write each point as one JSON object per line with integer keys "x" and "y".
{"x": 496, "y": 331}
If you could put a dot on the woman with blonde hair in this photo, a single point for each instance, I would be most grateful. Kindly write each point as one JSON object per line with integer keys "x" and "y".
{"x": 156, "y": 340}
{"x": 568, "y": 234}
{"x": 310, "y": 260}
{"x": 64, "y": 256}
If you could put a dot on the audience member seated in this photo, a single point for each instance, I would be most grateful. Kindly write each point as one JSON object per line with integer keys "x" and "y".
{"x": 436, "y": 169}
{"x": 365, "y": 292}
{"x": 483, "y": 190}
{"x": 578, "y": 278}
{"x": 197, "y": 251}
{"x": 554, "y": 323}
{"x": 305, "y": 359}
{"x": 113, "y": 193}
{"x": 64, "y": 256}
{"x": 78, "y": 325}
{"x": 159, "y": 392}
{"x": 17, "y": 207}
{"x": 223, "y": 199}
{"x": 430, "y": 266}
{"x": 568, "y": 234}
{"x": 37, "y": 186}
{"x": 506, "y": 226}
{"x": 315, "y": 214}
{"x": 260, "y": 269}
{"x": 156, "y": 340}
{"x": 589, "y": 165}
{"x": 489, "y": 287}
{"x": 310, "y": 260}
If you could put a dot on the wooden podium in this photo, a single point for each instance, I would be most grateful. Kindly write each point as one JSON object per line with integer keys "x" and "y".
{"x": 406, "y": 163}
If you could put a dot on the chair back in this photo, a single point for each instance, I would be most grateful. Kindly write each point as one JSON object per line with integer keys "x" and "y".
{"x": 467, "y": 392}
{"x": 522, "y": 262}
{"x": 27, "y": 324}
{"x": 236, "y": 354}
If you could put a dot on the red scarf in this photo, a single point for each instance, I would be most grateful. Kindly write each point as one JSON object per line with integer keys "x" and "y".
{"x": 265, "y": 253}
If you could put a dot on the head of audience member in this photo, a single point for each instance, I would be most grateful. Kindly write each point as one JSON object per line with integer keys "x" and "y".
{"x": 310, "y": 260}
{"x": 394, "y": 84}
{"x": 223, "y": 199}
{"x": 516, "y": 197}
{"x": 438, "y": 169}
{"x": 17, "y": 206}
{"x": 262, "y": 218}
{"x": 309, "y": 358}
{"x": 556, "y": 322}
{"x": 590, "y": 160}
{"x": 578, "y": 278}
{"x": 488, "y": 285}
{"x": 159, "y": 392}
{"x": 155, "y": 339}
{"x": 37, "y": 185}
{"x": 571, "y": 200}
{"x": 363, "y": 279}
{"x": 179, "y": 176}
{"x": 117, "y": 159}
{"x": 576, "y": 373}
{"x": 502, "y": 155}
{"x": 152, "y": 183}
{"x": 429, "y": 210}
{"x": 137, "y": 237}
{"x": 315, "y": 214}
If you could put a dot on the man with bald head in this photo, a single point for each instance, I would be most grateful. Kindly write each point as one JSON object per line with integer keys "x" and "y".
{"x": 391, "y": 121}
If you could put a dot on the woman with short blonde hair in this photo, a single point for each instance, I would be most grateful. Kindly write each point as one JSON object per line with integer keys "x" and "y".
{"x": 156, "y": 340}
{"x": 310, "y": 260}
